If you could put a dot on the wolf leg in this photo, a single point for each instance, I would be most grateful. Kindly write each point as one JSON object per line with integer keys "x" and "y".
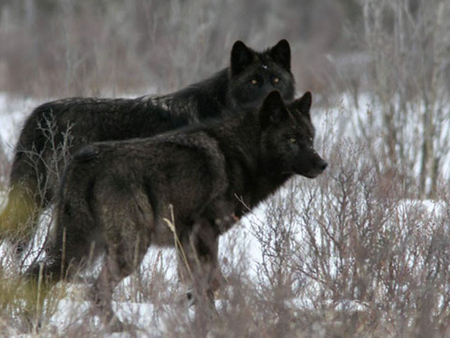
{"x": 198, "y": 265}
{"x": 41, "y": 277}
{"x": 120, "y": 262}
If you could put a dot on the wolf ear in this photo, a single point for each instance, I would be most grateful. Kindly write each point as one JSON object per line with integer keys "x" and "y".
{"x": 273, "y": 110}
{"x": 241, "y": 57}
{"x": 303, "y": 104}
{"x": 281, "y": 54}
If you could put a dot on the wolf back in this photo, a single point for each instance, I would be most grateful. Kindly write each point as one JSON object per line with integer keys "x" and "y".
{"x": 55, "y": 130}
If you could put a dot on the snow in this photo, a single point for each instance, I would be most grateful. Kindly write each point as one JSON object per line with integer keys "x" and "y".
{"x": 239, "y": 246}
{"x": 13, "y": 112}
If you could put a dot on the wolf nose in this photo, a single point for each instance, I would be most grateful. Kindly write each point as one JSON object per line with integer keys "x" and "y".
{"x": 323, "y": 165}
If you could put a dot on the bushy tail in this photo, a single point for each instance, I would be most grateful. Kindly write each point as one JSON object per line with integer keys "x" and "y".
{"x": 18, "y": 220}
{"x": 74, "y": 240}
{"x": 39, "y": 158}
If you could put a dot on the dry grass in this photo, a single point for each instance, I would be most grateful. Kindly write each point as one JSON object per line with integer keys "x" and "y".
{"x": 358, "y": 252}
{"x": 343, "y": 255}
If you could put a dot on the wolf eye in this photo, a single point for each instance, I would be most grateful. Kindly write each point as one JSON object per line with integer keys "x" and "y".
{"x": 276, "y": 80}
{"x": 254, "y": 81}
{"x": 292, "y": 139}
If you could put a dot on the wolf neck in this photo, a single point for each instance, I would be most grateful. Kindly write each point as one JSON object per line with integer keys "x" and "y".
{"x": 200, "y": 101}
{"x": 250, "y": 175}
{"x": 264, "y": 184}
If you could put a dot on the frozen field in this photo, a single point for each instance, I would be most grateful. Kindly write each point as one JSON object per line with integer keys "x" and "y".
{"x": 304, "y": 239}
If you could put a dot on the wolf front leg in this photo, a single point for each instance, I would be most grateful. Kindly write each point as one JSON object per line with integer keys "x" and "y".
{"x": 198, "y": 262}
{"x": 198, "y": 266}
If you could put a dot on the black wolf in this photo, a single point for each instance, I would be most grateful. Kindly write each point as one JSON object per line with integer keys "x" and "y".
{"x": 55, "y": 130}
{"x": 122, "y": 197}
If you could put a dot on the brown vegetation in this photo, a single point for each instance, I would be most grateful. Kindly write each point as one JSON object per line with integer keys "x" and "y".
{"x": 358, "y": 252}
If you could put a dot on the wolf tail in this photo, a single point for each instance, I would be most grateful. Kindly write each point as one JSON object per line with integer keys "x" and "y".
{"x": 74, "y": 242}
{"x": 19, "y": 218}
{"x": 29, "y": 182}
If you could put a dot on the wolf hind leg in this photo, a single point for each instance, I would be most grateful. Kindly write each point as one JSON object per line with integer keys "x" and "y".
{"x": 61, "y": 263}
{"x": 127, "y": 224}
{"x": 120, "y": 262}
{"x": 41, "y": 276}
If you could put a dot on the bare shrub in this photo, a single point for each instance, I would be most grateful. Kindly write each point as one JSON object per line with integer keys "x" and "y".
{"x": 372, "y": 255}
{"x": 409, "y": 80}
{"x": 345, "y": 254}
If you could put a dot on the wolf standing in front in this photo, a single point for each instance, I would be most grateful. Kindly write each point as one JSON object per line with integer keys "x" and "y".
{"x": 117, "y": 197}
{"x": 55, "y": 130}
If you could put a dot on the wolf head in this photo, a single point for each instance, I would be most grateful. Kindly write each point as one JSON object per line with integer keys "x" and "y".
{"x": 288, "y": 137}
{"x": 253, "y": 75}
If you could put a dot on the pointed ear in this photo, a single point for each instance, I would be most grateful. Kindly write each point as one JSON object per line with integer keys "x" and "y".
{"x": 281, "y": 54}
{"x": 303, "y": 104}
{"x": 273, "y": 110}
{"x": 241, "y": 57}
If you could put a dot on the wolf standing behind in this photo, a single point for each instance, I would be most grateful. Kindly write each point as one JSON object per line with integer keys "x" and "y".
{"x": 55, "y": 130}
{"x": 117, "y": 197}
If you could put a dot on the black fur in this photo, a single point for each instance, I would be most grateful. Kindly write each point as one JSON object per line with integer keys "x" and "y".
{"x": 57, "y": 129}
{"x": 121, "y": 196}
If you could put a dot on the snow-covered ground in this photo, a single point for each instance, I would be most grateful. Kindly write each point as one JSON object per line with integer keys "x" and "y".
{"x": 242, "y": 241}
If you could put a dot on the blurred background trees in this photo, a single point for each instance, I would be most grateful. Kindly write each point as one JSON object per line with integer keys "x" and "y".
{"x": 67, "y": 47}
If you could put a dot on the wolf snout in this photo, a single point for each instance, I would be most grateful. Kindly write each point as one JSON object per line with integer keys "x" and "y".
{"x": 322, "y": 165}
{"x": 318, "y": 167}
